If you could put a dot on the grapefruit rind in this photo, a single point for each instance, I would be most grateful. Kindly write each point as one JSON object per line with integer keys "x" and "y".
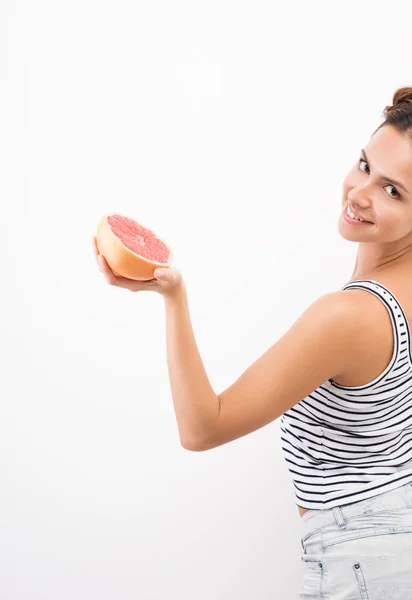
{"x": 121, "y": 259}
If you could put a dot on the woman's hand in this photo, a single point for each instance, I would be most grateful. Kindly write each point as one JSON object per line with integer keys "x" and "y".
{"x": 166, "y": 284}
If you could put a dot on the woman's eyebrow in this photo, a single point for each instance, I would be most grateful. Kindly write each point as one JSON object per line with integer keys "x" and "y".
{"x": 393, "y": 181}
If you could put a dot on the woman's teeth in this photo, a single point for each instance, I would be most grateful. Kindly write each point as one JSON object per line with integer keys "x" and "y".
{"x": 352, "y": 216}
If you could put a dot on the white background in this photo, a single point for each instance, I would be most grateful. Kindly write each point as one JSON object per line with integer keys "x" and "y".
{"x": 228, "y": 127}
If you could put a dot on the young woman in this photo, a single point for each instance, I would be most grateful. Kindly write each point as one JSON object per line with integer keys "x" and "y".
{"x": 340, "y": 379}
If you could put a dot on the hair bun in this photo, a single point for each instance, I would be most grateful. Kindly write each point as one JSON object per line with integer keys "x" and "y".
{"x": 399, "y": 114}
{"x": 401, "y": 98}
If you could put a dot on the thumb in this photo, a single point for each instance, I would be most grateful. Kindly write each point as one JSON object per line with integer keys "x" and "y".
{"x": 169, "y": 275}
{"x": 161, "y": 274}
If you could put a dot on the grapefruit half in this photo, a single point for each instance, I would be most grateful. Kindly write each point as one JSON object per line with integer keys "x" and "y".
{"x": 131, "y": 249}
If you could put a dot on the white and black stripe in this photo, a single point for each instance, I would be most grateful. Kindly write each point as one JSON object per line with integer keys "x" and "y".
{"x": 345, "y": 444}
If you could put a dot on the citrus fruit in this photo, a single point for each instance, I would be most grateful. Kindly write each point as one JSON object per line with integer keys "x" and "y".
{"x": 130, "y": 249}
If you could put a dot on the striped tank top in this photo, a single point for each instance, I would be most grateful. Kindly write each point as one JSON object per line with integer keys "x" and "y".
{"x": 345, "y": 444}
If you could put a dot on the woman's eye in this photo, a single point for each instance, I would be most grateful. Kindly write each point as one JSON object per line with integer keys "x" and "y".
{"x": 397, "y": 193}
{"x": 361, "y": 160}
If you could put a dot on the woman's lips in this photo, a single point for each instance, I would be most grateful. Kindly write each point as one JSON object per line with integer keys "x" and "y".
{"x": 352, "y": 221}
{"x": 356, "y": 214}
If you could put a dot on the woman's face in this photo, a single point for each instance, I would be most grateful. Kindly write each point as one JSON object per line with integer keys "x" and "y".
{"x": 368, "y": 189}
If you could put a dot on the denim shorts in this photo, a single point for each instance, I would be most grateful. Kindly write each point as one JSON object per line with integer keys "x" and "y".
{"x": 359, "y": 551}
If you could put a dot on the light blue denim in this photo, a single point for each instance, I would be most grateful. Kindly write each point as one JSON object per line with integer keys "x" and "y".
{"x": 359, "y": 551}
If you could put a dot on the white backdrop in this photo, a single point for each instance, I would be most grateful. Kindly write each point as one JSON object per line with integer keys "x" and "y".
{"x": 228, "y": 127}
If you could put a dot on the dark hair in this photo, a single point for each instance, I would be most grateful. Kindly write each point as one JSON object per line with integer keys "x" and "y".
{"x": 399, "y": 113}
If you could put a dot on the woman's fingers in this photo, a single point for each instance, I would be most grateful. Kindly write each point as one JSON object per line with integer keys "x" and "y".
{"x": 94, "y": 244}
{"x": 102, "y": 264}
{"x": 110, "y": 277}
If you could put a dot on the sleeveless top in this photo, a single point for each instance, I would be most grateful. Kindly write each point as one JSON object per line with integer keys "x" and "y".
{"x": 345, "y": 444}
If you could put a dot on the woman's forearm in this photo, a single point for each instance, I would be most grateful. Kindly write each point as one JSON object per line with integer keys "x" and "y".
{"x": 196, "y": 404}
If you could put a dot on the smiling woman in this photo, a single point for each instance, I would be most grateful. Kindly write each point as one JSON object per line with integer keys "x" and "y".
{"x": 378, "y": 189}
{"x": 339, "y": 380}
